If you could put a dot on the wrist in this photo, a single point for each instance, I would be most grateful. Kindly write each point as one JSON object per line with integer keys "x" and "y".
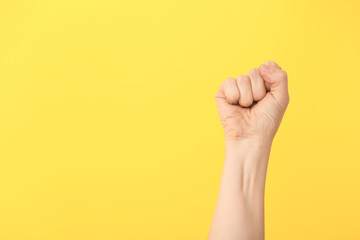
{"x": 246, "y": 162}
{"x": 253, "y": 143}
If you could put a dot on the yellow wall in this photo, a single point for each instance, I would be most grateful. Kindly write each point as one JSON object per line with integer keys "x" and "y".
{"x": 109, "y": 129}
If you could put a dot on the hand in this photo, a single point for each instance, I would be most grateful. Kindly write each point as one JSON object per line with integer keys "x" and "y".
{"x": 253, "y": 105}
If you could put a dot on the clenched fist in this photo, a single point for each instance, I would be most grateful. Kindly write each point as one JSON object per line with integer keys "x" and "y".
{"x": 253, "y": 105}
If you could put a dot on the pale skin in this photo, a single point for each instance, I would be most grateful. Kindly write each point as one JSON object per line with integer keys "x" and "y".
{"x": 250, "y": 108}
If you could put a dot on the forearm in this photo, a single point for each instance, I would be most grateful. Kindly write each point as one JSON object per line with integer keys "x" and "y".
{"x": 250, "y": 108}
{"x": 239, "y": 212}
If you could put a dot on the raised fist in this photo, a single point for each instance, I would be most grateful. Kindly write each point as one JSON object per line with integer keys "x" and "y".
{"x": 253, "y": 105}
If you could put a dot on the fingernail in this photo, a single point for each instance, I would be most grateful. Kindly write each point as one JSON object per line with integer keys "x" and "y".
{"x": 267, "y": 68}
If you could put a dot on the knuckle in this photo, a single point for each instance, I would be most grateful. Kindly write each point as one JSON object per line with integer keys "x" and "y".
{"x": 228, "y": 80}
{"x": 272, "y": 63}
{"x": 242, "y": 78}
{"x": 253, "y": 71}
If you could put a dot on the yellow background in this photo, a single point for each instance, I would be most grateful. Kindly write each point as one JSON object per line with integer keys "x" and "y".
{"x": 109, "y": 129}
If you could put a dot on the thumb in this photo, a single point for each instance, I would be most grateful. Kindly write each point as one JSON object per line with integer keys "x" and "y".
{"x": 276, "y": 79}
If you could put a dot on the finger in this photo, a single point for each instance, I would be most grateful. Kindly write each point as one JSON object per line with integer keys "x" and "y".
{"x": 272, "y": 64}
{"x": 244, "y": 85}
{"x": 277, "y": 79}
{"x": 257, "y": 84}
{"x": 229, "y": 90}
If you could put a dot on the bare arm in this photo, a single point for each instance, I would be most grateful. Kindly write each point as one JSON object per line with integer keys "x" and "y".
{"x": 249, "y": 129}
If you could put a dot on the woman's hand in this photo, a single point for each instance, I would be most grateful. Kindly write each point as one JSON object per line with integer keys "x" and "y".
{"x": 252, "y": 106}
